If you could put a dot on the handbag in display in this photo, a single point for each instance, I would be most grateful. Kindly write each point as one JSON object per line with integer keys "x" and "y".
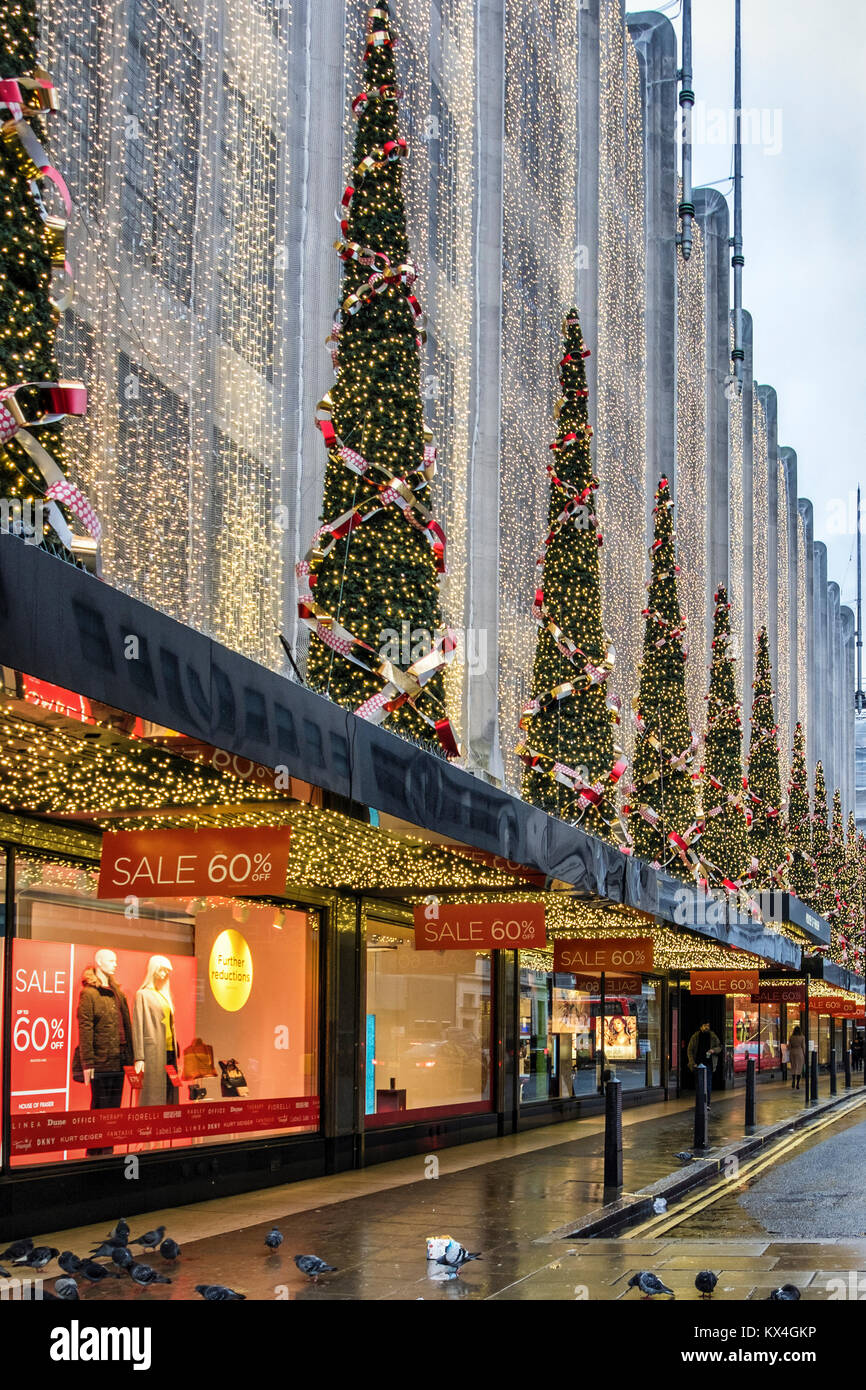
{"x": 198, "y": 1060}
{"x": 77, "y": 1068}
{"x": 135, "y": 1078}
{"x": 232, "y": 1081}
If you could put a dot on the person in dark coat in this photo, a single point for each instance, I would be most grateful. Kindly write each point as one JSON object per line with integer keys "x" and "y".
{"x": 703, "y": 1049}
{"x": 104, "y": 1034}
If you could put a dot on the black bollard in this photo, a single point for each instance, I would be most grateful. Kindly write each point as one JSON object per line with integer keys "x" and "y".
{"x": 751, "y": 1099}
{"x": 832, "y": 1071}
{"x": 847, "y": 1068}
{"x": 613, "y": 1134}
{"x": 648, "y": 1074}
{"x": 701, "y": 1112}
{"x": 813, "y": 1088}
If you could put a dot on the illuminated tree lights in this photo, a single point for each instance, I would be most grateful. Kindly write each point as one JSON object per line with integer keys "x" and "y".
{"x": 378, "y": 579}
{"x": 27, "y": 317}
{"x": 767, "y": 837}
{"x": 847, "y": 939}
{"x": 724, "y": 843}
{"x": 820, "y": 841}
{"x": 662, "y": 800}
{"x": 569, "y": 753}
{"x": 800, "y": 822}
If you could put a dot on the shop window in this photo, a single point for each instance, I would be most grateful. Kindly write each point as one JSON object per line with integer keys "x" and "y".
{"x": 770, "y": 1037}
{"x": 563, "y": 1036}
{"x": 746, "y": 1041}
{"x": 148, "y": 1024}
{"x": 428, "y": 1028}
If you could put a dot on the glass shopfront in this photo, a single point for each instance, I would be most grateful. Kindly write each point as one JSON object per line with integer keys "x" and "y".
{"x": 567, "y": 1047}
{"x": 428, "y": 1028}
{"x": 150, "y": 1024}
{"x": 756, "y": 1032}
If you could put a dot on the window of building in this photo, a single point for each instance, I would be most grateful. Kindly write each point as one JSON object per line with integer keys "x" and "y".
{"x": 161, "y": 137}
{"x": 134, "y": 1021}
{"x": 428, "y": 1028}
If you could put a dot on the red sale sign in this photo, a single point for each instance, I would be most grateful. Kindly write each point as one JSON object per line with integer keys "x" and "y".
{"x": 464, "y": 926}
{"x": 41, "y": 1023}
{"x": 177, "y": 863}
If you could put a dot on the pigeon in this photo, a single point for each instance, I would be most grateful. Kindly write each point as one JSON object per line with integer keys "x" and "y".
{"x": 38, "y": 1258}
{"x": 150, "y": 1240}
{"x": 312, "y": 1266}
{"x": 217, "y": 1293}
{"x": 105, "y": 1250}
{"x": 123, "y": 1258}
{"x": 659, "y": 1205}
{"x": 120, "y": 1231}
{"x": 788, "y": 1293}
{"x": 66, "y": 1288}
{"x": 649, "y": 1284}
{"x": 705, "y": 1282}
{"x": 146, "y": 1274}
{"x": 684, "y": 1156}
{"x": 94, "y": 1272}
{"x": 5, "y": 1273}
{"x": 273, "y": 1239}
{"x": 169, "y": 1249}
{"x": 458, "y": 1258}
{"x": 69, "y": 1263}
{"x": 16, "y": 1249}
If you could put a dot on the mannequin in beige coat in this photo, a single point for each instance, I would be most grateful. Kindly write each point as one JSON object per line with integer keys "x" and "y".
{"x": 153, "y": 1034}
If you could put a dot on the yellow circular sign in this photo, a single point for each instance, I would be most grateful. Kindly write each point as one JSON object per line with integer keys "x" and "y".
{"x": 230, "y": 970}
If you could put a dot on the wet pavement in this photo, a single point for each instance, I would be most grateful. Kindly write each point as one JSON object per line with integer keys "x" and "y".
{"x": 512, "y": 1208}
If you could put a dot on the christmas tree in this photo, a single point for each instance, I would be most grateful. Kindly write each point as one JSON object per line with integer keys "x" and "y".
{"x": 767, "y": 838}
{"x": 724, "y": 844}
{"x": 569, "y": 752}
{"x": 373, "y": 600}
{"x": 28, "y": 245}
{"x": 850, "y": 922}
{"x": 833, "y": 877}
{"x": 662, "y": 810}
{"x": 822, "y": 897}
{"x": 800, "y": 822}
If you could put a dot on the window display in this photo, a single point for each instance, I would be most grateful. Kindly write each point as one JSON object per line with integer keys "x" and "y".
{"x": 126, "y": 1015}
{"x": 577, "y": 1035}
{"x": 428, "y": 1027}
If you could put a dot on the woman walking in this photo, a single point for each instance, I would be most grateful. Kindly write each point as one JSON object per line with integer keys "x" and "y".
{"x": 796, "y": 1056}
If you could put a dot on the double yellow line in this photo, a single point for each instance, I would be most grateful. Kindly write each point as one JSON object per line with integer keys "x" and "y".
{"x": 690, "y": 1206}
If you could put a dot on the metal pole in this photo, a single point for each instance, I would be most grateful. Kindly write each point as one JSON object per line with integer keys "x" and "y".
{"x": 751, "y": 1106}
{"x": 701, "y": 1113}
{"x": 813, "y": 1098}
{"x": 737, "y": 260}
{"x": 687, "y": 101}
{"x": 833, "y": 1085}
{"x": 6, "y": 1000}
{"x": 807, "y": 1063}
{"x": 613, "y": 1134}
{"x": 602, "y": 1006}
{"x": 859, "y": 698}
{"x": 847, "y": 1060}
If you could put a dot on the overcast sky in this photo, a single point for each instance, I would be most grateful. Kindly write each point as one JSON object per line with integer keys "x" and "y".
{"x": 804, "y": 227}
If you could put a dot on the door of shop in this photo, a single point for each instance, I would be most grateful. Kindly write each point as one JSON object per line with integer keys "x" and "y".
{"x": 708, "y": 1008}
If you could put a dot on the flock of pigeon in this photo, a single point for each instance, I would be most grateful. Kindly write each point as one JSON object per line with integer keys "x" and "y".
{"x": 119, "y": 1261}
{"x": 651, "y": 1286}
{"x": 116, "y": 1249}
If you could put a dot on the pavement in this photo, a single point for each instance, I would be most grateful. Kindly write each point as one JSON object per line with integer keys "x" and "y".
{"x": 515, "y": 1199}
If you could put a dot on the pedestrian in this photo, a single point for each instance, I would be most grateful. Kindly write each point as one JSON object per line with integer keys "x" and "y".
{"x": 704, "y": 1047}
{"x": 796, "y": 1056}
{"x": 857, "y": 1052}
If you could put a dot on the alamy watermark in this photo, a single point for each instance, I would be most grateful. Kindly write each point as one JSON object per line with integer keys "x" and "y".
{"x": 410, "y": 644}
{"x": 22, "y": 518}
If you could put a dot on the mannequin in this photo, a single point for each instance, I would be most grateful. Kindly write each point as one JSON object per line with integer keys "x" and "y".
{"x": 153, "y": 1036}
{"x": 104, "y": 1033}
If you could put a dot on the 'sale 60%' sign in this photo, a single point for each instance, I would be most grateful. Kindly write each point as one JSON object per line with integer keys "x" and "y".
{"x": 464, "y": 926}
{"x": 571, "y": 955}
{"x": 174, "y": 863}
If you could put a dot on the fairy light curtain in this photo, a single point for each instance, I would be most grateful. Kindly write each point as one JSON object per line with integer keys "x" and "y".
{"x": 178, "y": 167}
{"x": 621, "y": 355}
{"x": 691, "y": 489}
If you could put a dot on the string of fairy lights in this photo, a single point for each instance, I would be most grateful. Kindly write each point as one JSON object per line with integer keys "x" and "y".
{"x": 691, "y": 489}
{"x": 738, "y": 541}
{"x": 175, "y": 144}
{"x": 782, "y": 673}
{"x": 538, "y": 277}
{"x": 803, "y": 711}
{"x": 623, "y": 494}
{"x": 760, "y": 521}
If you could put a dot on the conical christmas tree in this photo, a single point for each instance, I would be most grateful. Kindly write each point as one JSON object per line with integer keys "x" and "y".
{"x": 569, "y": 751}
{"x": 800, "y": 822}
{"x": 851, "y": 907}
{"x": 822, "y": 898}
{"x": 724, "y": 843}
{"x": 834, "y": 861}
{"x": 373, "y": 600}
{"x": 767, "y": 838}
{"x": 662, "y": 798}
